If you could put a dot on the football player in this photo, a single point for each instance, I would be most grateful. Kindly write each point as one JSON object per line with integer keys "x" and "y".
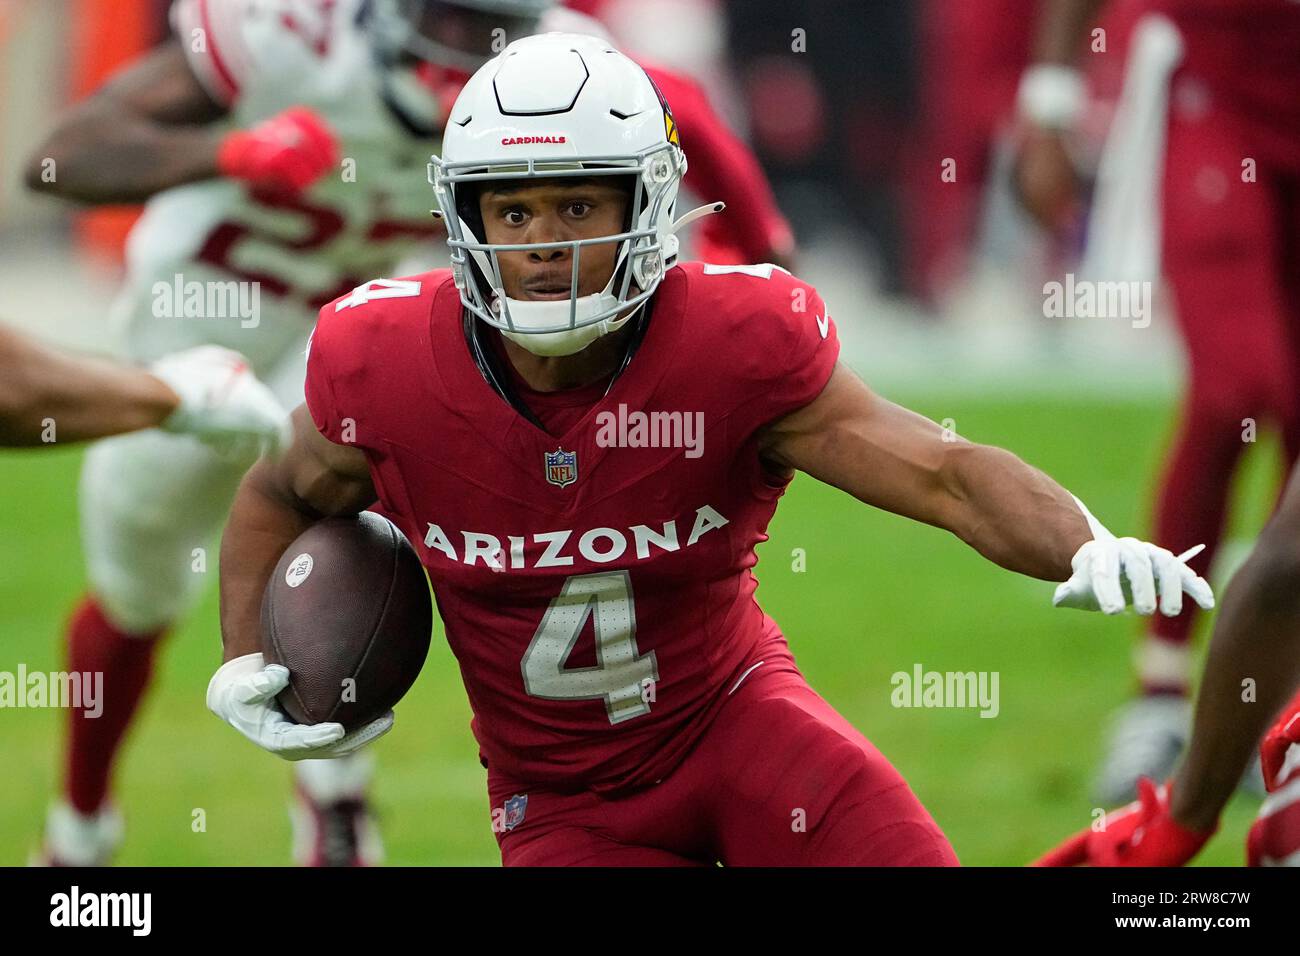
{"x": 632, "y": 702}
{"x": 1252, "y": 668}
{"x": 50, "y": 396}
{"x": 1203, "y": 164}
{"x": 280, "y": 145}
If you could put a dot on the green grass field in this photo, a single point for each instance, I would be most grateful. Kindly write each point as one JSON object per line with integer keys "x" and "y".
{"x": 879, "y": 594}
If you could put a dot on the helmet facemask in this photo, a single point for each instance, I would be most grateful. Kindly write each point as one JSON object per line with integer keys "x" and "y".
{"x": 645, "y": 248}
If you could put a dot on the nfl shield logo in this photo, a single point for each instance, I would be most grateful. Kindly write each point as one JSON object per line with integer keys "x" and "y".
{"x": 515, "y": 808}
{"x": 561, "y": 467}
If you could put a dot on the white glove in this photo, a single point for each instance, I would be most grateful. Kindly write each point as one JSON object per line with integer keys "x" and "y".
{"x": 1111, "y": 572}
{"x": 242, "y": 693}
{"x": 222, "y": 403}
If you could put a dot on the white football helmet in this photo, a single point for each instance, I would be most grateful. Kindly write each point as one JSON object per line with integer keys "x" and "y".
{"x": 561, "y": 105}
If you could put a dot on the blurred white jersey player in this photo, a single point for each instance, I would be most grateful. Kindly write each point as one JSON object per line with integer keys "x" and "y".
{"x": 290, "y": 140}
{"x": 152, "y": 505}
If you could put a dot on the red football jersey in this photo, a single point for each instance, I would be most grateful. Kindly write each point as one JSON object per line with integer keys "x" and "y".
{"x": 1247, "y": 52}
{"x": 596, "y": 586}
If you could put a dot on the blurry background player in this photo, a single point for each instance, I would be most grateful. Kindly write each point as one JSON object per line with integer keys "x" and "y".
{"x": 1201, "y": 175}
{"x": 282, "y": 144}
{"x": 1256, "y": 645}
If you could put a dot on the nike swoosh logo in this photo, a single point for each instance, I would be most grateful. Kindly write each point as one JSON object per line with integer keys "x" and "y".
{"x": 824, "y": 325}
{"x": 744, "y": 675}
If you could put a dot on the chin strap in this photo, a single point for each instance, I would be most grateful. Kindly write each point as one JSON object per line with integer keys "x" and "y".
{"x": 699, "y": 212}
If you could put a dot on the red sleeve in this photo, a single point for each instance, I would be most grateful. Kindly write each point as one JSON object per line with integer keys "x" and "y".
{"x": 720, "y": 166}
{"x": 361, "y": 340}
{"x": 796, "y": 338}
{"x": 319, "y": 388}
{"x": 775, "y": 344}
{"x": 211, "y": 33}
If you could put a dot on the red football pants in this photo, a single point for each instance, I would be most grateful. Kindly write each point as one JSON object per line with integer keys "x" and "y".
{"x": 1232, "y": 256}
{"x": 778, "y": 779}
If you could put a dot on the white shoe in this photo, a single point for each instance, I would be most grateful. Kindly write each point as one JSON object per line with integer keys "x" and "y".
{"x": 74, "y": 839}
{"x": 1146, "y": 739}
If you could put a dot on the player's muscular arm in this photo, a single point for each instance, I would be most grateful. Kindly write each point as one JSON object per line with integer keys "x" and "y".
{"x": 1256, "y": 636}
{"x": 276, "y": 502}
{"x": 148, "y": 129}
{"x": 892, "y": 458}
{"x": 84, "y": 397}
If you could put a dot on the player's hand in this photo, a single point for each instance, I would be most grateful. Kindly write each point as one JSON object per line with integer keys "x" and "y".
{"x": 1140, "y": 834}
{"x": 1110, "y": 573}
{"x": 1045, "y": 180}
{"x": 287, "y": 152}
{"x": 222, "y": 402}
{"x": 1272, "y": 749}
{"x": 242, "y": 693}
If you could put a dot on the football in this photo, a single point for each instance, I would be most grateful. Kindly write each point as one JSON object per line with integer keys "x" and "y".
{"x": 347, "y": 610}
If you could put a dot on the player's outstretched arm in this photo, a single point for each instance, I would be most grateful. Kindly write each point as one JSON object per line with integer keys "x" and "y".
{"x": 278, "y": 499}
{"x": 1011, "y": 513}
{"x": 48, "y": 396}
{"x": 149, "y": 128}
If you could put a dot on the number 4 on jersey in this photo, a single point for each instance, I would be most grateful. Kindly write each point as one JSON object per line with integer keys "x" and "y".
{"x": 620, "y": 672}
{"x": 379, "y": 289}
